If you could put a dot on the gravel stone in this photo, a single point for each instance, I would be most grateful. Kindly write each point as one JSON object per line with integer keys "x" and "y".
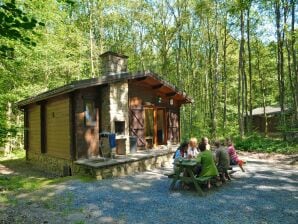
{"x": 266, "y": 193}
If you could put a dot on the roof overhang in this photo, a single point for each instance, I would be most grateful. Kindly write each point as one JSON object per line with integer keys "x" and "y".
{"x": 148, "y": 78}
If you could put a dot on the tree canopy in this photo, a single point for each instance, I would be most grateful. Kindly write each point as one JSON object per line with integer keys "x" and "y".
{"x": 230, "y": 56}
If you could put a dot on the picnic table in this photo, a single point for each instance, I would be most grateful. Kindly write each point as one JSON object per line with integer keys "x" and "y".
{"x": 184, "y": 173}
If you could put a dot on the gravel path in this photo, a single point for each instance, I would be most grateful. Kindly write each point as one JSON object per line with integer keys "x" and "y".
{"x": 266, "y": 193}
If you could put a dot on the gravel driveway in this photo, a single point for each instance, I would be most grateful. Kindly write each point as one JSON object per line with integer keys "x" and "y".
{"x": 266, "y": 193}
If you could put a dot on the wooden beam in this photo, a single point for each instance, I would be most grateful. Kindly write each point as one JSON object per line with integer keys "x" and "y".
{"x": 141, "y": 78}
{"x": 72, "y": 125}
{"x": 43, "y": 137}
{"x": 171, "y": 94}
{"x": 157, "y": 86}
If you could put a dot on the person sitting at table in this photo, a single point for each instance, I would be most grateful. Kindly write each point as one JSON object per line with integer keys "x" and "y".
{"x": 234, "y": 159}
{"x": 192, "y": 151}
{"x": 222, "y": 161}
{"x": 182, "y": 150}
{"x": 206, "y": 141}
{"x": 207, "y": 166}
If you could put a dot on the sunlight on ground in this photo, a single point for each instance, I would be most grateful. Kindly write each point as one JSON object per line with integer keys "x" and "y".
{"x": 5, "y": 170}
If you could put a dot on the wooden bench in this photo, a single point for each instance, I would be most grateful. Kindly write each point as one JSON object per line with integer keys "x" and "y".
{"x": 198, "y": 180}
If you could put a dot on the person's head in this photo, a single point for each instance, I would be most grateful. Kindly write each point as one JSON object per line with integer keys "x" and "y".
{"x": 184, "y": 145}
{"x": 202, "y": 146}
{"x": 229, "y": 142}
{"x": 193, "y": 142}
{"x": 205, "y": 140}
{"x": 217, "y": 144}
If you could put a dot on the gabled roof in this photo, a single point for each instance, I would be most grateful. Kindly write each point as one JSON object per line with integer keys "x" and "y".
{"x": 149, "y": 78}
{"x": 268, "y": 110}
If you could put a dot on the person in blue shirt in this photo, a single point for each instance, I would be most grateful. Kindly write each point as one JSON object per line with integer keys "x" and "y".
{"x": 181, "y": 151}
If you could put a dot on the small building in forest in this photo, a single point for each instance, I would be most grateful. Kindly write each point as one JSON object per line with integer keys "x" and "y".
{"x": 72, "y": 122}
{"x": 259, "y": 120}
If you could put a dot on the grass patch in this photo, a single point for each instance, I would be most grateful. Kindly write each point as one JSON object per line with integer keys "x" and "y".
{"x": 257, "y": 143}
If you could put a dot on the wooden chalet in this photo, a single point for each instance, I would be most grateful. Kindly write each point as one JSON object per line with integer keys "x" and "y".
{"x": 72, "y": 122}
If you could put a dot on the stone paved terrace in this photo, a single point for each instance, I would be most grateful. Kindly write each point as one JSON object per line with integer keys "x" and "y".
{"x": 121, "y": 165}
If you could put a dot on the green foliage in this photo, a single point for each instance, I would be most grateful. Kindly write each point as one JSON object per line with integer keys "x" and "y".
{"x": 258, "y": 143}
{"x": 181, "y": 40}
{"x": 13, "y": 23}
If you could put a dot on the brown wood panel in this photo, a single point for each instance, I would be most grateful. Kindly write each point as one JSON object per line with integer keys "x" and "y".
{"x": 57, "y": 128}
{"x": 34, "y": 128}
{"x": 173, "y": 126}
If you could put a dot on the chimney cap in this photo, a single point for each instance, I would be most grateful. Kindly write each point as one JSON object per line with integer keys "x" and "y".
{"x": 114, "y": 54}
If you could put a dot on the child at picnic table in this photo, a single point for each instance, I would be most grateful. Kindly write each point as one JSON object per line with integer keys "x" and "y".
{"x": 234, "y": 159}
{"x": 206, "y": 141}
{"x": 207, "y": 166}
{"x": 182, "y": 150}
{"x": 222, "y": 161}
{"x": 192, "y": 151}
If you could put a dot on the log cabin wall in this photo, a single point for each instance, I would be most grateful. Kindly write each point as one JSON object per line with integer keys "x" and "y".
{"x": 57, "y": 125}
{"x": 87, "y": 136}
{"x": 33, "y": 128}
{"x": 144, "y": 96}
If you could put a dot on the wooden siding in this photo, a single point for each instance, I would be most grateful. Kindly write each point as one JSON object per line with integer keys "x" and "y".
{"x": 87, "y": 137}
{"x": 34, "y": 128}
{"x": 143, "y": 96}
{"x": 57, "y": 128}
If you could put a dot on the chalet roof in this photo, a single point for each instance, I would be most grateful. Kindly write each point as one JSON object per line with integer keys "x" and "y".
{"x": 146, "y": 77}
{"x": 268, "y": 110}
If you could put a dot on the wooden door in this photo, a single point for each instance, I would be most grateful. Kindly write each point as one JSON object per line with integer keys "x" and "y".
{"x": 173, "y": 126}
{"x": 137, "y": 125}
{"x": 160, "y": 126}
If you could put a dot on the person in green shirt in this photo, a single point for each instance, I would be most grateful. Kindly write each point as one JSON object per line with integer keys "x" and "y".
{"x": 206, "y": 161}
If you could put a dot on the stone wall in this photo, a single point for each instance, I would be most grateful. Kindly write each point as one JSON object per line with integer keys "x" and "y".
{"x": 122, "y": 169}
{"x": 62, "y": 167}
{"x": 119, "y": 109}
{"x": 57, "y": 166}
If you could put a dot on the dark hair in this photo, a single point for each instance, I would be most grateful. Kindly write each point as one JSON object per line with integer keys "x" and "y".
{"x": 184, "y": 144}
{"x": 202, "y": 146}
{"x": 217, "y": 143}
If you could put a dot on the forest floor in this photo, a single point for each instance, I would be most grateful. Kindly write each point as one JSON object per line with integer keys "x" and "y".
{"x": 266, "y": 193}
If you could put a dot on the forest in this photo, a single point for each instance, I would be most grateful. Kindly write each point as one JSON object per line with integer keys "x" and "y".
{"x": 230, "y": 56}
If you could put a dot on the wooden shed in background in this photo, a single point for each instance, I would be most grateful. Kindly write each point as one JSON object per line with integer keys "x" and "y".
{"x": 70, "y": 122}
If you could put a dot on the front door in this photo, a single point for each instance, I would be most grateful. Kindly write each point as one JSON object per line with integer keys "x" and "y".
{"x": 155, "y": 131}
{"x": 160, "y": 123}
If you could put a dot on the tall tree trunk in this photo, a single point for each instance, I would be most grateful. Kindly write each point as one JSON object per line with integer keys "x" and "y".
{"x": 263, "y": 91}
{"x": 240, "y": 78}
{"x": 90, "y": 3}
{"x": 215, "y": 79}
{"x": 294, "y": 67}
{"x": 280, "y": 64}
{"x": 249, "y": 119}
{"x": 8, "y": 143}
{"x": 225, "y": 88}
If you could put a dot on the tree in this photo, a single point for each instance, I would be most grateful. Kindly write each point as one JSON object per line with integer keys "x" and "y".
{"x": 13, "y": 26}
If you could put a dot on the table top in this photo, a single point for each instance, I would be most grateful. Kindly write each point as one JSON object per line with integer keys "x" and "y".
{"x": 185, "y": 162}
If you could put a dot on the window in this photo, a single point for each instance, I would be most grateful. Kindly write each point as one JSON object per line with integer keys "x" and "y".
{"x": 90, "y": 113}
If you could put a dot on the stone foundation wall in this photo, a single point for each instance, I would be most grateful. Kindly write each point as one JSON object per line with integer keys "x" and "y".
{"x": 64, "y": 167}
{"x": 61, "y": 167}
{"x": 123, "y": 169}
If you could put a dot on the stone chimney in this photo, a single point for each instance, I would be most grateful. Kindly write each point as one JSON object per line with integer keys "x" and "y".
{"x": 113, "y": 63}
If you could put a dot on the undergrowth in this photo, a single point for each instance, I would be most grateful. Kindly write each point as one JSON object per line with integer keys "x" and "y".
{"x": 257, "y": 143}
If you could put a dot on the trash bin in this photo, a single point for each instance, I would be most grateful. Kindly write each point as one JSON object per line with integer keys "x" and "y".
{"x": 104, "y": 144}
{"x": 133, "y": 144}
